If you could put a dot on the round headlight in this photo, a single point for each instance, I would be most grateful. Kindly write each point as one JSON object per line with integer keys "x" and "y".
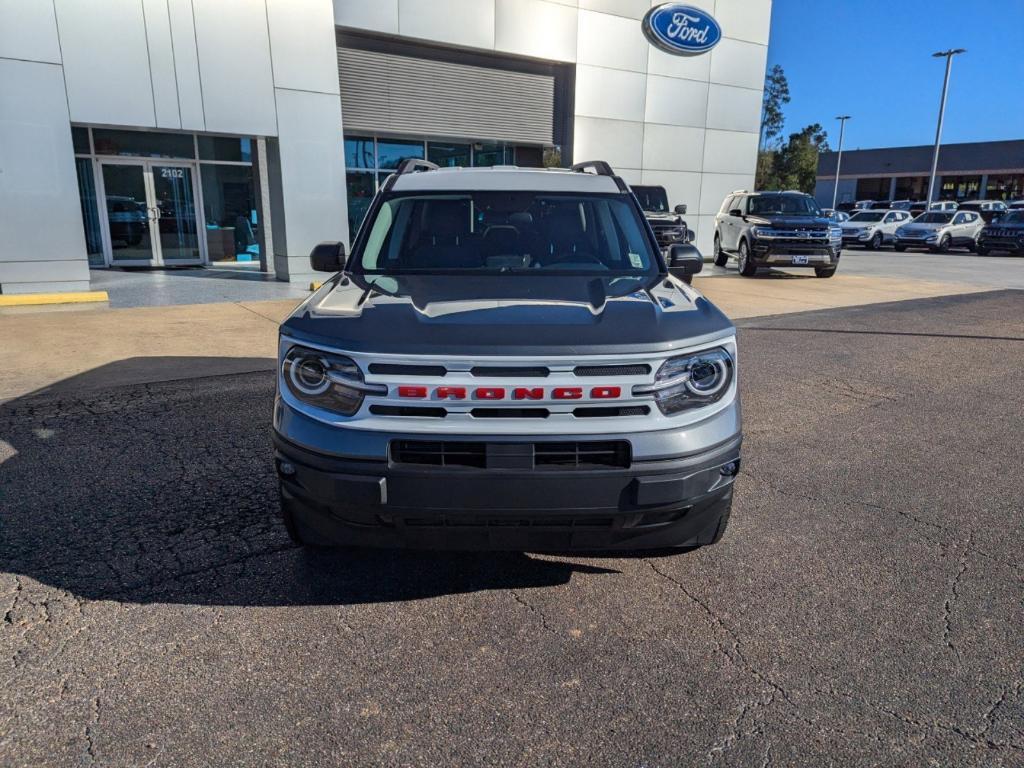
{"x": 309, "y": 375}
{"x": 707, "y": 375}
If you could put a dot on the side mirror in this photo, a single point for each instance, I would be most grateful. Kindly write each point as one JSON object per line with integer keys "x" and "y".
{"x": 327, "y": 257}
{"x": 680, "y": 209}
{"x": 736, "y": 212}
{"x": 684, "y": 261}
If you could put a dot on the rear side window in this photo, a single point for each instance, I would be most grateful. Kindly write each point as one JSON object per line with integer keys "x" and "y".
{"x": 727, "y": 205}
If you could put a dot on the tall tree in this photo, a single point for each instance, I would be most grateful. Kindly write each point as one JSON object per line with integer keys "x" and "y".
{"x": 796, "y": 164}
{"x": 776, "y": 95}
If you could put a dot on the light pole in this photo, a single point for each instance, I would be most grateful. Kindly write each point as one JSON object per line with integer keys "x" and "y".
{"x": 839, "y": 160}
{"x": 942, "y": 114}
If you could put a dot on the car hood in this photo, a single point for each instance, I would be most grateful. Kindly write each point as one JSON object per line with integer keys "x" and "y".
{"x": 859, "y": 224}
{"x": 658, "y": 217}
{"x": 1015, "y": 226}
{"x": 505, "y": 315}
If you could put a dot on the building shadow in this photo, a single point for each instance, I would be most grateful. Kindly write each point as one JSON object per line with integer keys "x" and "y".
{"x": 165, "y": 492}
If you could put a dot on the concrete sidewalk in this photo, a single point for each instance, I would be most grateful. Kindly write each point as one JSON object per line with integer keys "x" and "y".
{"x": 53, "y": 351}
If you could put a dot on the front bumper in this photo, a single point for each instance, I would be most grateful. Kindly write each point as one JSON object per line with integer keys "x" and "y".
{"x": 916, "y": 242}
{"x": 381, "y": 503}
{"x": 782, "y": 253}
{"x": 1010, "y": 245}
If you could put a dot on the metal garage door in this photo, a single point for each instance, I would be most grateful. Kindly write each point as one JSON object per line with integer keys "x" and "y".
{"x": 383, "y": 92}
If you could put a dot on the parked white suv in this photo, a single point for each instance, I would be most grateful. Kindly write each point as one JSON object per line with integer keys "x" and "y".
{"x": 873, "y": 228}
{"x": 941, "y": 230}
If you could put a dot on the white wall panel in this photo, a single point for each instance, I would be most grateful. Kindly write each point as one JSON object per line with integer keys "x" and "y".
{"x": 691, "y": 67}
{"x": 611, "y": 41}
{"x": 611, "y": 93}
{"x": 376, "y": 15}
{"x": 633, "y": 9}
{"x": 538, "y": 28}
{"x": 234, "y": 66}
{"x": 676, "y": 102}
{"x": 459, "y": 22}
{"x": 312, "y": 168}
{"x": 744, "y": 20}
{"x": 737, "y": 63}
{"x": 106, "y": 62}
{"x": 704, "y": 231}
{"x": 683, "y": 188}
{"x": 715, "y": 186}
{"x": 302, "y": 45}
{"x": 729, "y": 151}
{"x": 161, "y": 63}
{"x": 28, "y": 30}
{"x": 617, "y": 141}
{"x": 673, "y": 147}
{"x": 734, "y": 109}
{"x": 186, "y": 65}
{"x": 630, "y": 175}
{"x": 41, "y": 221}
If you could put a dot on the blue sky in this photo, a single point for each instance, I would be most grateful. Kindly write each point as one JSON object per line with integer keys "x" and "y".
{"x": 872, "y": 59}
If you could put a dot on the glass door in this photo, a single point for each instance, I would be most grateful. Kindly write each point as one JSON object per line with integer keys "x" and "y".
{"x": 151, "y": 212}
{"x": 174, "y": 201}
{"x": 129, "y": 214}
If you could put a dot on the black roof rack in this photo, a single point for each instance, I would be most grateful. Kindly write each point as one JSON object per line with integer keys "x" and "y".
{"x": 412, "y": 165}
{"x": 601, "y": 168}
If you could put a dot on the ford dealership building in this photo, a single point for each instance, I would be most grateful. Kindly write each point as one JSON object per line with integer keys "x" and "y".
{"x": 239, "y": 133}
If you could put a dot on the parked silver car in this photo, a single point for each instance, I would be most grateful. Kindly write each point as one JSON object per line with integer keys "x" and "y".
{"x": 941, "y": 230}
{"x": 872, "y": 229}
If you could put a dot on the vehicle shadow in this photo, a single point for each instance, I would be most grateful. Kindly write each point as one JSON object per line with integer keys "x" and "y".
{"x": 165, "y": 492}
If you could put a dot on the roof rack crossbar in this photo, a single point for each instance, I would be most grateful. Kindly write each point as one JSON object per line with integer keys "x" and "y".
{"x": 601, "y": 168}
{"x": 413, "y": 164}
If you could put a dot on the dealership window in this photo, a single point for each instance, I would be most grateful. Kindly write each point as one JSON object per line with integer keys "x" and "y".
{"x": 1005, "y": 187}
{"x": 369, "y": 160}
{"x": 960, "y": 187}
{"x": 873, "y": 189}
{"x": 143, "y": 143}
{"x": 912, "y": 188}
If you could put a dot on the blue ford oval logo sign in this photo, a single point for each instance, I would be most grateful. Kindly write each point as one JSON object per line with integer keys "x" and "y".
{"x": 681, "y": 29}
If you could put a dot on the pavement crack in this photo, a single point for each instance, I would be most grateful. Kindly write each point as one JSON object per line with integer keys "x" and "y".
{"x": 90, "y": 736}
{"x": 953, "y": 596}
{"x": 540, "y": 615}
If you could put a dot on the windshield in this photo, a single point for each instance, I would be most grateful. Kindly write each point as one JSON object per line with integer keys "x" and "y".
{"x": 508, "y": 232}
{"x": 798, "y": 205}
{"x": 652, "y": 198}
{"x": 868, "y": 216}
{"x": 934, "y": 218}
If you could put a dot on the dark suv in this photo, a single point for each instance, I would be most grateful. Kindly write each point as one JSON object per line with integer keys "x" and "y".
{"x": 776, "y": 229}
{"x": 668, "y": 225}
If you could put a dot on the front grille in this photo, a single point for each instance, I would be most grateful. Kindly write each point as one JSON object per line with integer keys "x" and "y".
{"x": 586, "y": 454}
{"x": 391, "y": 369}
{"x": 439, "y": 453}
{"x": 510, "y": 413}
{"x": 606, "y": 412}
{"x": 510, "y": 371}
{"x": 408, "y": 410}
{"x": 611, "y": 453}
{"x": 612, "y": 370}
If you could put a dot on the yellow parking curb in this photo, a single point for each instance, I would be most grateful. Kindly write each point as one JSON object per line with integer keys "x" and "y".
{"x": 315, "y": 286}
{"x": 30, "y": 299}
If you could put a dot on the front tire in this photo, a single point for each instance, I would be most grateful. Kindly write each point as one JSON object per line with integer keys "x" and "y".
{"x": 824, "y": 271}
{"x": 982, "y": 250}
{"x": 943, "y": 246}
{"x": 747, "y": 267}
{"x": 721, "y": 257}
{"x": 876, "y": 242}
{"x": 715, "y": 530}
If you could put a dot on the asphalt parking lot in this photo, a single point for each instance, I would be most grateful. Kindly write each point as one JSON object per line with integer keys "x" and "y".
{"x": 865, "y": 607}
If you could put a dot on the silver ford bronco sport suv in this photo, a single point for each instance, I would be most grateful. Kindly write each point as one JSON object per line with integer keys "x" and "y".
{"x": 506, "y": 361}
